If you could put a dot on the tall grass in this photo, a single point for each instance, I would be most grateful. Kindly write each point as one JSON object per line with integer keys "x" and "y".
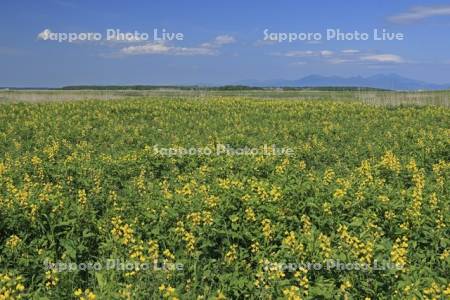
{"x": 435, "y": 98}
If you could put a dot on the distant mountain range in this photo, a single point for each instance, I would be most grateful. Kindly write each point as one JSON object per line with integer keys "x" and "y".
{"x": 380, "y": 81}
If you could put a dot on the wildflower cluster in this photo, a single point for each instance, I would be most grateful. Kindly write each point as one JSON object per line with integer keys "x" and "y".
{"x": 366, "y": 186}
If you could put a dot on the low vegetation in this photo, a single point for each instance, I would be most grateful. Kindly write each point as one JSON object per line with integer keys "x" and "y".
{"x": 81, "y": 184}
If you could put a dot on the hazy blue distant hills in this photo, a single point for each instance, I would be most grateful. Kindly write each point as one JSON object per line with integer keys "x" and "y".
{"x": 380, "y": 81}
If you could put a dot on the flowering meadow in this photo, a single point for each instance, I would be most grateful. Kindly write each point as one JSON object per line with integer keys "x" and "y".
{"x": 358, "y": 210}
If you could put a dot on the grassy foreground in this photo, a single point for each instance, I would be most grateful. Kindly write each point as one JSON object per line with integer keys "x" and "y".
{"x": 384, "y": 98}
{"x": 81, "y": 184}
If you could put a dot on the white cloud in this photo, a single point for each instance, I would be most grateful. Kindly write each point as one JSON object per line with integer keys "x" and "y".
{"x": 224, "y": 40}
{"x": 299, "y": 53}
{"x": 210, "y": 48}
{"x": 326, "y": 53}
{"x": 337, "y": 61}
{"x": 350, "y": 51}
{"x": 298, "y": 63}
{"x": 383, "y": 58}
{"x": 150, "y": 48}
{"x": 418, "y": 13}
{"x": 220, "y": 41}
{"x": 352, "y": 56}
{"x": 161, "y": 48}
{"x": 308, "y": 53}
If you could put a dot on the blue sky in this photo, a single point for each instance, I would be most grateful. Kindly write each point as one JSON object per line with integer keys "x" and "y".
{"x": 223, "y": 41}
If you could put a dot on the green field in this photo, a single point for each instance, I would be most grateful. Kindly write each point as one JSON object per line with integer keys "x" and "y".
{"x": 83, "y": 182}
{"x": 388, "y": 98}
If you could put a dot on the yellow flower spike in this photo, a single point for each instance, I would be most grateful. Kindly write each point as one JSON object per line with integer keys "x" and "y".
{"x": 220, "y": 296}
{"x": 250, "y": 214}
{"x": 345, "y": 286}
{"x": 391, "y": 162}
{"x": 82, "y": 199}
{"x": 13, "y": 241}
{"x": 327, "y": 208}
{"x": 78, "y": 292}
{"x": 328, "y": 176}
{"x": 254, "y": 247}
{"x": 267, "y": 228}
{"x": 399, "y": 252}
{"x": 91, "y": 296}
{"x": 339, "y": 193}
{"x": 292, "y": 293}
{"x": 231, "y": 255}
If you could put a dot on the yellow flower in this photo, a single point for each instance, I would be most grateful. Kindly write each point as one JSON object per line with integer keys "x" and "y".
{"x": 327, "y": 208}
{"x": 445, "y": 254}
{"x": 189, "y": 238}
{"x": 433, "y": 290}
{"x": 399, "y": 251}
{"x": 82, "y": 199}
{"x": 212, "y": 201}
{"x": 339, "y": 193}
{"x": 78, "y": 292}
{"x": 121, "y": 231}
{"x": 220, "y": 296}
{"x": 51, "y": 278}
{"x": 13, "y": 241}
{"x": 153, "y": 249}
{"x": 325, "y": 245}
{"x": 345, "y": 286}
{"x": 383, "y": 199}
{"x": 391, "y": 162}
{"x": 231, "y": 255}
{"x": 275, "y": 193}
{"x": 168, "y": 292}
{"x": 254, "y": 247}
{"x": 389, "y": 215}
{"x": 290, "y": 239}
{"x": 267, "y": 228}
{"x": 291, "y": 242}
{"x": 447, "y": 290}
{"x": 328, "y": 176}
{"x": 307, "y": 225}
{"x": 168, "y": 254}
{"x": 292, "y": 293}
{"x": 91, "y": 296}
{"x": 250, "y": 214}
{"x": 302, "y": 165}
{"x": 302, "y": 277}
{"x": 85, "y": 295}
{"x": 282, "y": 167}
{"x": 364, "y": 251}
{"x": 2, "y": 168}
{"x": 207, "y": 218}
{"x": 11, "y": 287}
{"x": 195, "y": 218}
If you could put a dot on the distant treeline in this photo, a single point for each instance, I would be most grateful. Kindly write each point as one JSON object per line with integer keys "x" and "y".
{"x": 332, "y": 88}
{"x": 157, "y": 87}
{"x": 212, "y": 88}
